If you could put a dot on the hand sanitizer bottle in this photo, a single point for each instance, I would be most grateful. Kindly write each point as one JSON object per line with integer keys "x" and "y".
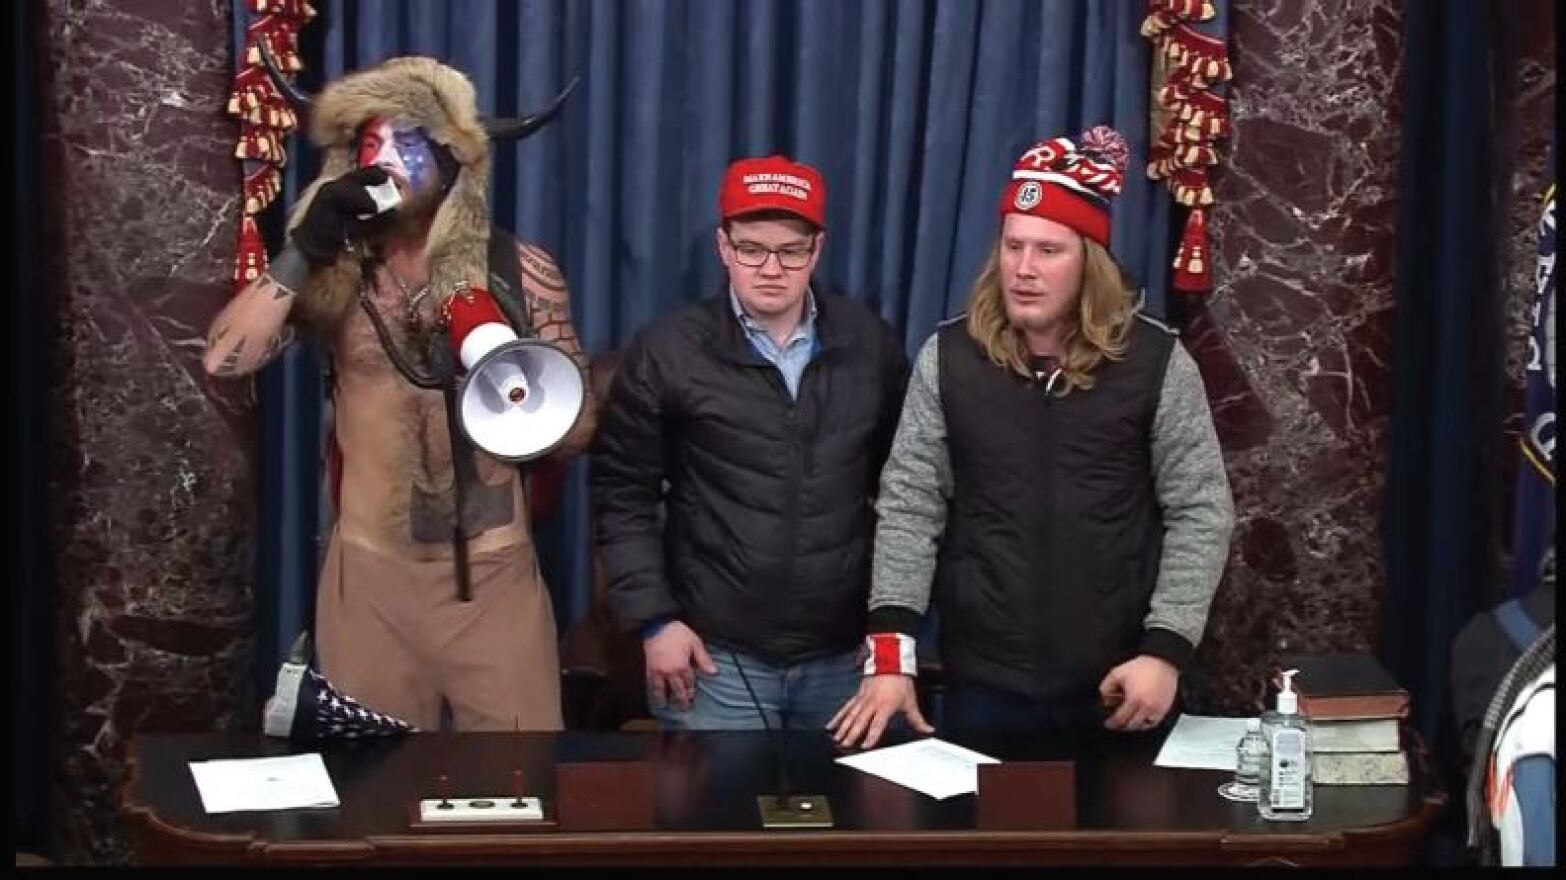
{"x": 1286, "y": 782}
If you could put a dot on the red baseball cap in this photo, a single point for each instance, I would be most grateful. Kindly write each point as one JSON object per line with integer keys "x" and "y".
{"x": 775, "y": 183}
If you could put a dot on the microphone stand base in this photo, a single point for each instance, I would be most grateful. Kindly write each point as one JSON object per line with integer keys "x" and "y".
{"x": 795, "y": 811}
{"x": 500, "y": 813}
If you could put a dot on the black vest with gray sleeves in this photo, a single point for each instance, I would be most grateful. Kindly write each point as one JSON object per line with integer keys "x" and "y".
{"x": 1053, "y": 540}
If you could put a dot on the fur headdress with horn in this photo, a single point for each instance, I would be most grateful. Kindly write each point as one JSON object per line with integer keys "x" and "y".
{"x": 422, "y": 92}
{"x": 417, "y": 91}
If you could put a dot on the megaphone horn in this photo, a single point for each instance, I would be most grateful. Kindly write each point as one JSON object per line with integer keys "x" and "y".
{"x": 520, "y": 397}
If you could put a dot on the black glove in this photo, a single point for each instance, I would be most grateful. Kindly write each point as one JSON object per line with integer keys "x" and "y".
{"x": 341, "y": 212}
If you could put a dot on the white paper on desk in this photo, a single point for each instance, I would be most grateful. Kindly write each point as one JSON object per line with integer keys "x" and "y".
{"x": 286, "y": 783}
{"x": 1202, "y": 742}
{"x": 929, "y": 766}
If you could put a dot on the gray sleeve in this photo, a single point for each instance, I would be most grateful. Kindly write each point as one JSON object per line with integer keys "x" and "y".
{"x": 1193, "y": 492}
{"x": 916, "y": 485}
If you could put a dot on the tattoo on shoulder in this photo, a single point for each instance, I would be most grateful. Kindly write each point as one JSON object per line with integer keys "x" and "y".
{"x": 539, "y": 269}
{"x": 548, "y": 301}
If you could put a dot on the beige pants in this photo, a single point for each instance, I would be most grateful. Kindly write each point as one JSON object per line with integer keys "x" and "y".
{"x": 392, "y": 635}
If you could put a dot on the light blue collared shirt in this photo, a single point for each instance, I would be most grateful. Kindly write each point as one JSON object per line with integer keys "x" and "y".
{"x": 794, "y": 354}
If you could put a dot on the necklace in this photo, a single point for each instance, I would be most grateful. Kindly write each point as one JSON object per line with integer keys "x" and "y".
{"x": 411, "y": 298}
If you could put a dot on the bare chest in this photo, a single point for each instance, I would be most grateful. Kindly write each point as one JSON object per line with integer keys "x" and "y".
{"x": 395, "y": 437}
{"x": 403, "y": 321}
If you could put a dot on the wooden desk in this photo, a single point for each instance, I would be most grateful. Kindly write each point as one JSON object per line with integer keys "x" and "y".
{"x": 1127, "y": 810}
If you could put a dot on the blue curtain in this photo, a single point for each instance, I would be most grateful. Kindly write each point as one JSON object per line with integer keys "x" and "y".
{"x": 913, "y": 111}
{"x": 1444, "y": 508}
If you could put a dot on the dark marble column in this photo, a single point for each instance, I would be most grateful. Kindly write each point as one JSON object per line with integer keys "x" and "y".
{"x": 154, "y": 491}
{"x": 1295, "y": 342}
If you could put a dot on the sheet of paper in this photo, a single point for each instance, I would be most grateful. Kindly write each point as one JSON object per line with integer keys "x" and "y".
{"x": 929, "y": 766}
{"x": 286, "y": 783}
{"x": 1201, "y": 742}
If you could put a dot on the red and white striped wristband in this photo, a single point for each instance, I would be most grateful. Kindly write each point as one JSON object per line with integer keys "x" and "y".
{"x": 890, "y": 654}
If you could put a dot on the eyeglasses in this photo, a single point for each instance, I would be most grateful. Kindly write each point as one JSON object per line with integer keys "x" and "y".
{"x": 748, "y": 253}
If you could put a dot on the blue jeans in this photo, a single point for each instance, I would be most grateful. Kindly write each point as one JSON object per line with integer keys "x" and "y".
{"x": 804, "y": 696}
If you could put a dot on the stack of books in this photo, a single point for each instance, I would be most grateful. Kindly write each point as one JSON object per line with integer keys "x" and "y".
{"x": 1356, "y": 709}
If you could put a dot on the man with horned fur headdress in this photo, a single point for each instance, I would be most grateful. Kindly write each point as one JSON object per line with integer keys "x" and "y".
{"x": 417, "y": 605}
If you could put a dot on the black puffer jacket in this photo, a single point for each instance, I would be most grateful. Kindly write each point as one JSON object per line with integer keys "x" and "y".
{"x": 720, "y": 500}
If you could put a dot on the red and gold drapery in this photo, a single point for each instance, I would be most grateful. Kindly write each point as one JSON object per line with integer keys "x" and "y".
{"x": 1189, "y": 114}
{"x": 265, "y": 119}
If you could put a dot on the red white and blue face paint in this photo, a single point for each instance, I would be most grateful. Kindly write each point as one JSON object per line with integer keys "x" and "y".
{"x": 404, "y": 150}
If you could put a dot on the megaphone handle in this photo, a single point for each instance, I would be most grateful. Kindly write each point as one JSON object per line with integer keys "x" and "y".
{"x": 461, "y": 467}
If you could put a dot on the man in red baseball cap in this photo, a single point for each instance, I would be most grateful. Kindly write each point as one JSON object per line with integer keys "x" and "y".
{"x": 1074, "y": 561}
{"x": 768, "y": 206}
{"x": 734, "y": 470}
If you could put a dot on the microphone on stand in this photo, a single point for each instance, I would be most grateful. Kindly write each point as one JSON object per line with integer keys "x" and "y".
{"x": 784, "y": 809}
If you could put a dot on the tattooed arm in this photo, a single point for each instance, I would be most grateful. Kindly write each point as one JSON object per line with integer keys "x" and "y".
{"x": 250, "y": 331}
{"x": 549, "y": 303}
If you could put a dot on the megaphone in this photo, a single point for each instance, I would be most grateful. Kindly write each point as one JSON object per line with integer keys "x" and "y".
{"x": 520, "y": 397}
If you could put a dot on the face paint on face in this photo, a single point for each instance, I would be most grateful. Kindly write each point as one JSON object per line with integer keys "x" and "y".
{"x": 404, "y": 150}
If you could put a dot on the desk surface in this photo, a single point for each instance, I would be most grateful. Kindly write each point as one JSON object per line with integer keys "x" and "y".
{"x": 705, "y": 787}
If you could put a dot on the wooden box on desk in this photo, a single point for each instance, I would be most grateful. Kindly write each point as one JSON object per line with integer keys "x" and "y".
{"x": 605, "y": 796}
{"x": 1028, "y": 796}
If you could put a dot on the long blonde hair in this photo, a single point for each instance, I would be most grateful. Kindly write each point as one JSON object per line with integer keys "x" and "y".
{"x": 1098, "y": 329}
